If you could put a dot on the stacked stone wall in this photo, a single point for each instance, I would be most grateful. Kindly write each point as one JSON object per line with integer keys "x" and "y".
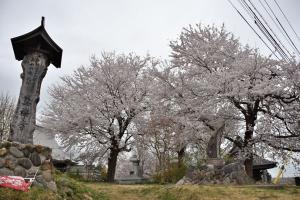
{"x": 25, "y": 160}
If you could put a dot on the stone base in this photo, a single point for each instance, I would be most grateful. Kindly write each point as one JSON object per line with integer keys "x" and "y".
{"x": 131, "y": 180}
{"x": 26, "y": 160}
{"x": 215, "y": 162}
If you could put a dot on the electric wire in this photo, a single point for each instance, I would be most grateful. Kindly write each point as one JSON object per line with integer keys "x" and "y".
{"x": 252, "y": 28}
{"x": 287, "y": 20}
{"x": 264, "y": 30}
{"x": 277, "y": 26}
{"x": 269, "y": 27}
{"x": 282, "y": 28}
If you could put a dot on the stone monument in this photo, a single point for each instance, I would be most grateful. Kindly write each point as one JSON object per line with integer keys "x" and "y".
{"x": 135, "y": 175}
{"x": 213, "y": 146}
{"x": 36, "y": 50}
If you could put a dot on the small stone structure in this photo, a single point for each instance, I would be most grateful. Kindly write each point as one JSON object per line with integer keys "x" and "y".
{"x": 25, "y": 160}
{"x": 135, "y": 175}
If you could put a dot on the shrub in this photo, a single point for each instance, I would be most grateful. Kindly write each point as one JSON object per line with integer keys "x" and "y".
{"x": 170, "y": 175}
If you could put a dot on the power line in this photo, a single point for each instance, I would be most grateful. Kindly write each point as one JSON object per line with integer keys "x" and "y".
{"x": 282, "y": 28}
{"x": 287, "y": 20}
{"x": 275, "y": 23}
{"x": 264, "y": 30}
{"x": 252, "y": 28}
{"x": 269, "y": 27}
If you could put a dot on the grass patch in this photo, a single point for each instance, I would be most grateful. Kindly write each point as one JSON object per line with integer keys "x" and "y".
{"x": 69, "y": 188}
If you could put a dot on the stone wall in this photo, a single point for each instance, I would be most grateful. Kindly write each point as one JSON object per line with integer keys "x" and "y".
{"x": 233, "y": 173}
{"x": 24, "y": 160}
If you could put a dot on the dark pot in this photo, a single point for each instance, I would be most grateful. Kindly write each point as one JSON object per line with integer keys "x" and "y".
{"x": 297, "y": 181}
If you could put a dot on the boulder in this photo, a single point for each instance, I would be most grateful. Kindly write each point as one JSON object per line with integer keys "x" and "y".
{"x": 34, "y": 170}
{"x": 6, "y": 172}
{"x": 26, "y": 152}
{"x": 35, "y": 159}
{"x": 25, "y": 162}
{"x": 10, "y": 162}
{"x": 5, "y": 144}
{"x": 3, "y": 151}
{"x": 227, "y": 169}
{"x": 30, "y": 147}
{"x": 2, "y": 162}
{"x": 41, "y": 180}
{"x": 20, "y": 171}
{"x": 16, "y": 152}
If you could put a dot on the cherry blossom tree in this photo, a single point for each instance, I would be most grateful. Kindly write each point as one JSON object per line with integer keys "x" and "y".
{"x": 7, "y": 109}
{"x": 258, "y": 89}
{"x": 95, "y": 108}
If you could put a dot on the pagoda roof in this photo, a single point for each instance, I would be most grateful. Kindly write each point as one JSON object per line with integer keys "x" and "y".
{"x": 38, "y": 39}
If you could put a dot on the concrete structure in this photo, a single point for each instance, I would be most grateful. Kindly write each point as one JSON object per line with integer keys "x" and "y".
{"x": 135, "y": 175}
{"x": 37, "y": 50}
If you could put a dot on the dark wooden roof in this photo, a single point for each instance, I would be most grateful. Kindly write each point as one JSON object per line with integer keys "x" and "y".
{"x": 261, "y": 163}
{"x": 38, "y": 39}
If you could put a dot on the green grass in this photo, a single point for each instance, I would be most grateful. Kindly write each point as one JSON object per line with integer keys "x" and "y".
{"x": 69, "y": 188}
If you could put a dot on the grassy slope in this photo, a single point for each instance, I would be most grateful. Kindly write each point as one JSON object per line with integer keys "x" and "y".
{"x": 69, "y": 188}
{"x": 193, "y": 192}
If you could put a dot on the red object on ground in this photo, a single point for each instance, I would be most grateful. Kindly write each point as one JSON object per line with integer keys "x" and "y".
{"x": 14, "y": 182}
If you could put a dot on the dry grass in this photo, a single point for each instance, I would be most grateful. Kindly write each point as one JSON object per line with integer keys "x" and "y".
{"x": 194, "y": 192}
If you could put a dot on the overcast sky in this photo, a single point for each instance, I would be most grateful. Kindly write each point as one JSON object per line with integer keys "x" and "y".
{"x": 83, "y": 28}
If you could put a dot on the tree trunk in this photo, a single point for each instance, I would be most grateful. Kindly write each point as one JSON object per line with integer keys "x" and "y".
{"x": 250, "y": 123}
{"x": 181, "y": 154}
{"x": 112, "y": 162}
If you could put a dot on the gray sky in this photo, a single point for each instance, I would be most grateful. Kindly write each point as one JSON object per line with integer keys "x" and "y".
{"x": 83, "y": 28}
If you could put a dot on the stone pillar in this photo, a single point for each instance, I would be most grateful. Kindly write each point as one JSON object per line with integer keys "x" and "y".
{"x": 136, "y": 165}
{"x": 36, "y": 50}
{"x": 34, "y": 67}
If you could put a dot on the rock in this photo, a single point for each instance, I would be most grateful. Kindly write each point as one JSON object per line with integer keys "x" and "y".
{"x": 47, "y": 175}
{"x": 16, "y": 152}
{"x": 227, "y": 169}
{"x": 5, "y": 144}
{"x": 46, "y": 151}
{"x": 20, "y": 171}
{"x": 35, "y": 159}
{"x": 181, "y": 181}
{"x": 46, "y": 165}
{"x": 34, "y": 170}
{"x": 52, "y": 186}
{"x": 39, "y": 148}
{"x": 25, "y": 162}
{"x": 26, "y": 152}
{"x": 30, "y": 147}
{"x": 2, "y": 162}
{"x": 3, "y": 151}
{"x": 21, "y": 146}
{"x": 10, "y": 162}
{"x": 40, "y": 180}
{"x": 6, "y": 172}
